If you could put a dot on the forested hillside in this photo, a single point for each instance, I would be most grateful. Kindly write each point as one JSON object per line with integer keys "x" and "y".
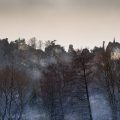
{"x": 43, "y": 81}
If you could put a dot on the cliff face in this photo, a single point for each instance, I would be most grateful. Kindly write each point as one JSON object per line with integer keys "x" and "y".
{"x": 114, "y": 49}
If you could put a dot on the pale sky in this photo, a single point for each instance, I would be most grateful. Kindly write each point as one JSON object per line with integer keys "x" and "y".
{"x": 83, "y": 23}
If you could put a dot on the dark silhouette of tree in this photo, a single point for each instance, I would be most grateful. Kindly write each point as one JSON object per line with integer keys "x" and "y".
{"x": 82, "y": 64}
{"x": 110, "y": 82}
{"x": 53, "y": 83}
{"x": 13, "y": 89}
{"x": 32, "y": 42}
{"x": 51, "y": 94}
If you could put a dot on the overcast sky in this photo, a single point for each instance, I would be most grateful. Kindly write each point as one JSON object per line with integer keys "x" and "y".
{"x": 84, "y": 23}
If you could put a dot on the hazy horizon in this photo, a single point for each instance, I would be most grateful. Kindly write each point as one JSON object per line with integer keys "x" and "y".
{"x": 83, "y": 23}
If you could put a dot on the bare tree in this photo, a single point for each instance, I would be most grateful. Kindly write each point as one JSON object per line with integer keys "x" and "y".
{"x": 82, "y": 68}
{"x": 32, "y": 42}
{"x": 13, "y": 89}
{"x": 110, "y": 82}
{"x": 52, "y": 84}
{"x": 48, "y": 93}
{"x": 40, "y": 44}
{"x": 51, "y": 93}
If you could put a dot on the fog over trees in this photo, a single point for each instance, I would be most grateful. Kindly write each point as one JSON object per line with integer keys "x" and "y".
{"x": 42, "y": 81}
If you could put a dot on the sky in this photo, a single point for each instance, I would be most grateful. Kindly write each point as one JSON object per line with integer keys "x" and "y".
{"x": 83, "y": 23}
